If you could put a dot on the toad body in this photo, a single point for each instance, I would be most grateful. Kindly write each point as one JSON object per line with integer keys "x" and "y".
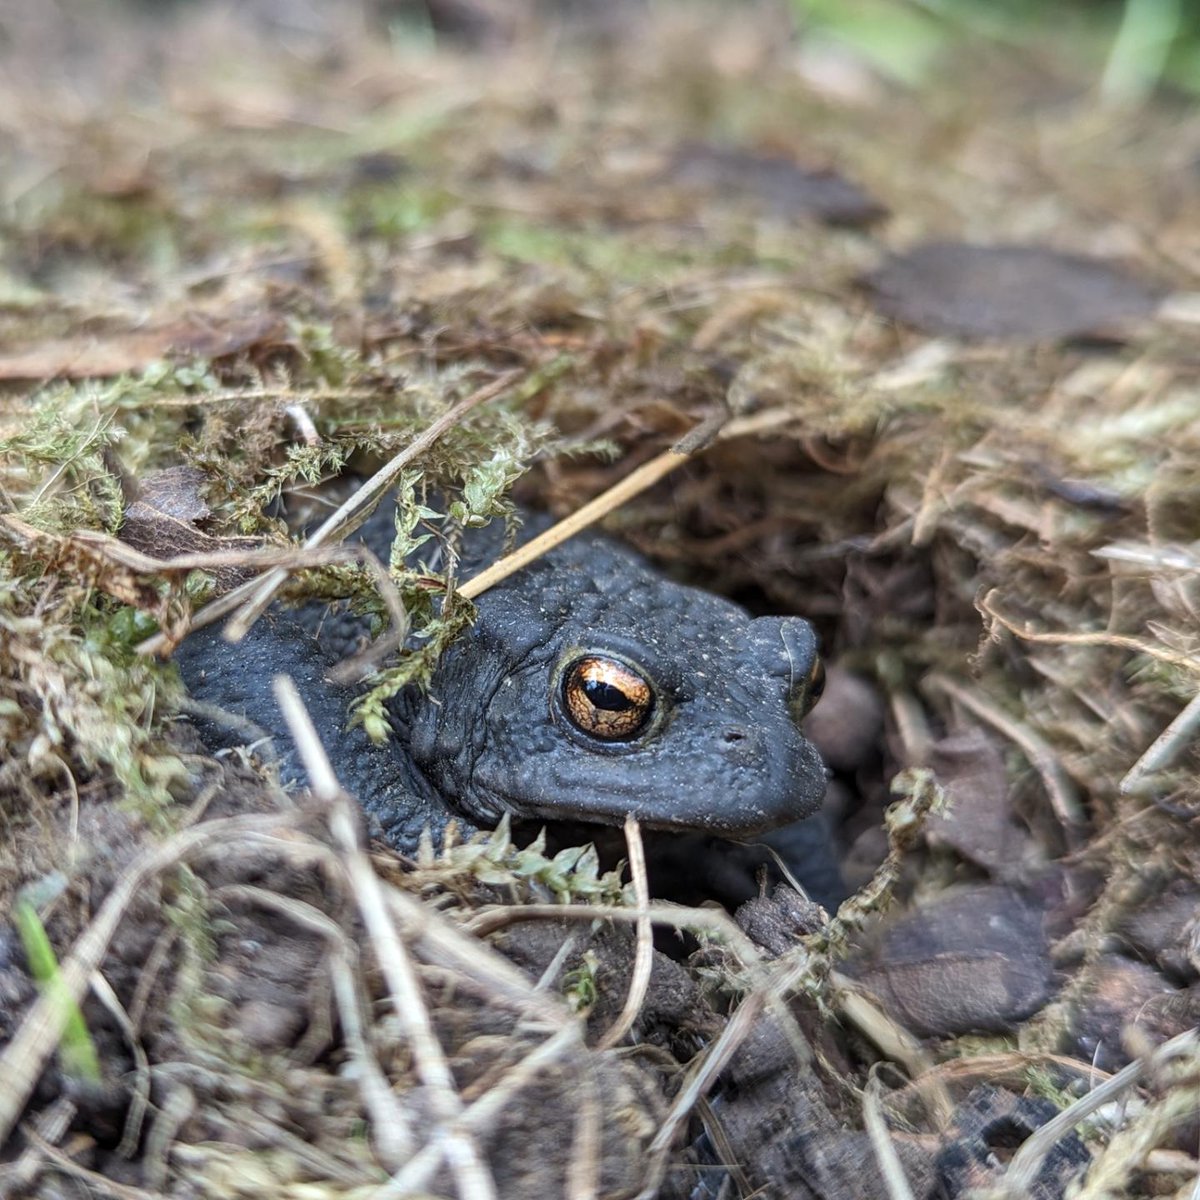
{"x": 589, "y": 688}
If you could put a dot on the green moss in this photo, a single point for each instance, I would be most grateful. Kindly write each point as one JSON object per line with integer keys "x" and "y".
{"x": 95, "y": 699}
{"x": 395, "y": 210}
{"x": 56, "y": 465}
{"x": 611, "y": 256}
{"x": 571, "y": 875}
{"x": 73, "y": 219}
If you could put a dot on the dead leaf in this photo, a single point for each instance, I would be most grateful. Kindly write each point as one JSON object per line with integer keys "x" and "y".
{"x": 1122, "y": 995}
{"x": 784, "y": 187}
{"x": 1165, "y": 926}
{"x": 1007, "y": 291}
{"x": 98, "y": 355}
{"x": 974, "y": 960}
{"x": 162, "y": 523}
{"x": 980, "y": 824}
{"x": 175, "y": 492}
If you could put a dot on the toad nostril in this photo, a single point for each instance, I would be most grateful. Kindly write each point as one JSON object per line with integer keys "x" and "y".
{"x": 733, "y": 735}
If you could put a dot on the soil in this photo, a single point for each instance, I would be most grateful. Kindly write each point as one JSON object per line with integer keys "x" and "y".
{"x": 937, "y": 324}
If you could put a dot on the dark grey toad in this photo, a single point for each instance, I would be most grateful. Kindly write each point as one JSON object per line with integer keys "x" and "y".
{"x": 589, "y": 688}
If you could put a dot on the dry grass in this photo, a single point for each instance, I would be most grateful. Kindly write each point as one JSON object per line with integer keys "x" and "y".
{"x": 284, "y": 258}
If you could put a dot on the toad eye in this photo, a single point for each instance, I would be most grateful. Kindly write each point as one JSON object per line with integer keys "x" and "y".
{"x": 606, "y": 699}
{"x": 810, "y": 691}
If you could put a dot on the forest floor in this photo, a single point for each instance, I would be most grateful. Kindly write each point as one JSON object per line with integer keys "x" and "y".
{"x": 939, "y": 321}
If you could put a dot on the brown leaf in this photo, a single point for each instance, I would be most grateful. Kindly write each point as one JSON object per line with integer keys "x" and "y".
{"x": 176, "y": 492}
{"x": 162, "y": 537}
{"x": 1007, "y": 291}
{"x": 976, "y": 959}
{"x": 981, "y": 824}
{"x": 784, "y": 188}
{"x": 162, "y": 523}
{"x": 1166, "y": 927}
{"x": 1127, "y": 995}
{"x": 89, "y": 356}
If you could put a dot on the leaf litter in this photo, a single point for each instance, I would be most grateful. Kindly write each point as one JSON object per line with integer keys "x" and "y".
{"x": 272, "y": 274}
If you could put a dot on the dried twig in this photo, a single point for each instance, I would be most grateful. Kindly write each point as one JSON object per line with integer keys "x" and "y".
{"x": 620, "y": 493}
{"x": 583, "y": 1168}
{"x": 1120, "y": 641}
{"x": 390, "y": 1126}
{"x": 102, "y": 1185}
{"x": 139, "y": 1099}
{"x": 888, "y": 1161}
{"x": 170, "y": 1115}
{"x": 700, "y": 1079}
{"x": 257, "y": 593}
{"x": 48, "y": 1127}
{"x": 716, "y": 923}
{"x": 478, "y": 1115}
{"x": 644, "y": 955}
{"x": 1165, "y": 748}
{"x": 353, "y": 512}
{"x": 471, "y": 1173}
{"x": 284, "y": 561}
{"x": 1027, "y": 1161}
{"x": 855, "y": 1006}
{"x": 483, "y": 969}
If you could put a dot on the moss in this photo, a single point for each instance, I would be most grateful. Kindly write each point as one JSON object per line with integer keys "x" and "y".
{"x": 372, "y": 238}
{"x": 612, "y": 257}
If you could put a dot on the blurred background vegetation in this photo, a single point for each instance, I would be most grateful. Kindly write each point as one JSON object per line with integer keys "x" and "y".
{"x": 1135, "y": 46}
{"x": 1131, "y": 47}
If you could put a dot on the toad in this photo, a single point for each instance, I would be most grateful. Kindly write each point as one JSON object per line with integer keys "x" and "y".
{"x": 588, "y": 688}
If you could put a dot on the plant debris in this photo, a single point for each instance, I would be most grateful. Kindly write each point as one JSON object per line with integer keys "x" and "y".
{"x": 1027, "y": 292}
{"x": 784, "y": 188}
{"x": 534, "y": 263}
{"x": 973, "y": 960}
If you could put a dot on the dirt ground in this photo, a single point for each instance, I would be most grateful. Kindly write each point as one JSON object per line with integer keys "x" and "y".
{"x": 935, "y": 319}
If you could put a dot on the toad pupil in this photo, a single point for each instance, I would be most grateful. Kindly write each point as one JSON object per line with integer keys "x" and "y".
{"x": 606, "y": 696}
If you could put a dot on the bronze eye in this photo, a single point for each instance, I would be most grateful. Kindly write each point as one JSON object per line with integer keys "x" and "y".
{"x": 606, "y": 699}
{"x": 811, "y": 690}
